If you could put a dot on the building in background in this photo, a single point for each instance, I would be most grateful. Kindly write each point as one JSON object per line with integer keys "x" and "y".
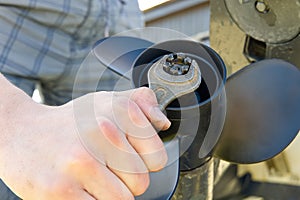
{"x": 190, "y": 17}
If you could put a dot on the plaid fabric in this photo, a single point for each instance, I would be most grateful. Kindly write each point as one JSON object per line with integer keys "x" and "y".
{"x": 45, "y": 41}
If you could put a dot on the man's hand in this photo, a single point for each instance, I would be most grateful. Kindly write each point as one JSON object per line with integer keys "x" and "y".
{"x": 99, "y": 146}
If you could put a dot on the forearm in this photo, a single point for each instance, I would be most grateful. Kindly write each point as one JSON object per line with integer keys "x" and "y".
{"x": 13, "y": 103}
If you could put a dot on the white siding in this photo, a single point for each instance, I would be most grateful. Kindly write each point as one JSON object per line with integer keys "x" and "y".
{"x": 190, "y": 21}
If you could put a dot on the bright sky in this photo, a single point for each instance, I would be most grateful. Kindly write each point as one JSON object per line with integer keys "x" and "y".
{"x": 145, "y": 4}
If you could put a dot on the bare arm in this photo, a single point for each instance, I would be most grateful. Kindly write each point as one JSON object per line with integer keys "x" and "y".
{"x": 66, "y": 152}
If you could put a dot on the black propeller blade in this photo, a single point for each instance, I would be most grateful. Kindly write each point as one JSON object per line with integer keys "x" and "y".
{"x": 118, "y": 53}
{"x": 263, "y": 112}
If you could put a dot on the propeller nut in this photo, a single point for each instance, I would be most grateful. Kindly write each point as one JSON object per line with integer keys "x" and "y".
{"x": 177, "y": 64}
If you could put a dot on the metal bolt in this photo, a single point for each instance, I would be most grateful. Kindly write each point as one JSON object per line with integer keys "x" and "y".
{"x": 261, "y": 7}
{"x": 177, "y": 64}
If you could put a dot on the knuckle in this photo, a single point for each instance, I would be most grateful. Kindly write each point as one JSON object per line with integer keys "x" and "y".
{"x": 145, "y": 97}
{"x": 125, "y": 103}
{"x": 79, "y": 161}
{"x": 126, "y": 195}
{"x": 88, "y": 163}
{"x": 147, "y": 92}
{"x": 57, "y": 189}
{"x": 121, "y": 100}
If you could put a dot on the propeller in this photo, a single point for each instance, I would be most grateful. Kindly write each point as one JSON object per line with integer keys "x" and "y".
{"x": 262, "y": 104}
{"x": 263, "y": 109}
{"x": 263, "y": 112}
